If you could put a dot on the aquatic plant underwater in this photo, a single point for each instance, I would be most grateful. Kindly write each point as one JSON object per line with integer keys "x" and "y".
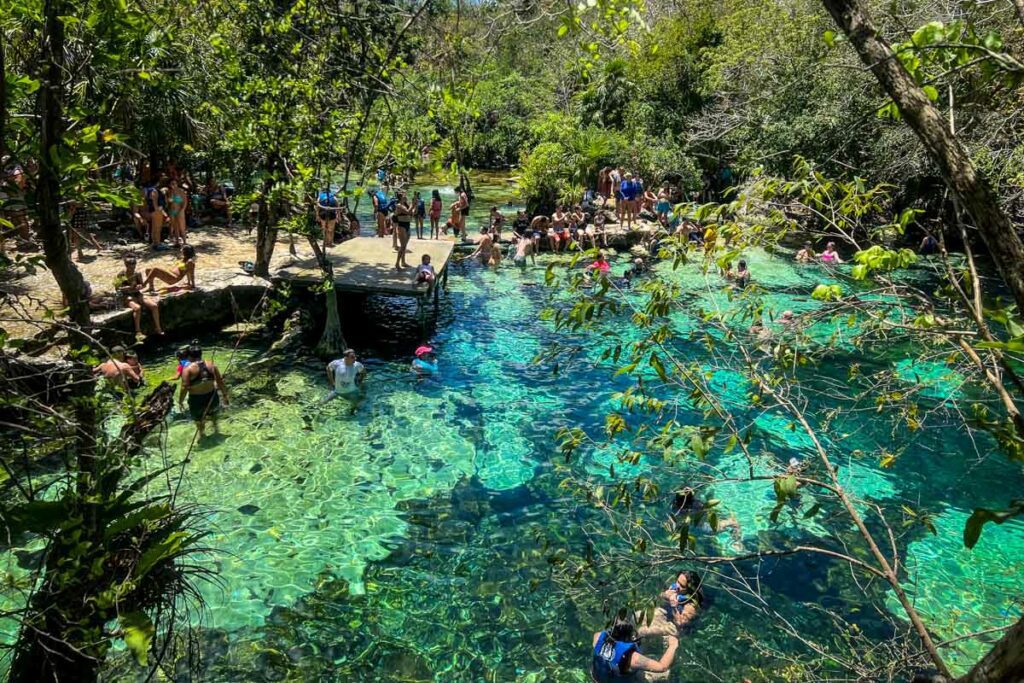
{"x": 421, "y": 535}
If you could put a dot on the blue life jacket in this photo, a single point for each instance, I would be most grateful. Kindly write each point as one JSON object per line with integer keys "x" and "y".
{"x": 608, "y": 656}
{"x": 382, "y": 201}
{"x": 327, "y": 198}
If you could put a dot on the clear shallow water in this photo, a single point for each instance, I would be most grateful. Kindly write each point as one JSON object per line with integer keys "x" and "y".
{"x": 489, "y": 189}
{"x": 404, "y": 541}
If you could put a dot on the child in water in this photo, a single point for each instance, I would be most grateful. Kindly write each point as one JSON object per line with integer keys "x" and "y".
{"x": 425, "y": 362}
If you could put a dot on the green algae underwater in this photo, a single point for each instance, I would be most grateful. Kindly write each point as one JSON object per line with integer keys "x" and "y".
{"x": 406, "y": 541}
{"x": 409, "y": 537}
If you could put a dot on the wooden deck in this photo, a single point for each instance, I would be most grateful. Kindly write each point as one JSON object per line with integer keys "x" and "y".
{"x": 367, "y": 265}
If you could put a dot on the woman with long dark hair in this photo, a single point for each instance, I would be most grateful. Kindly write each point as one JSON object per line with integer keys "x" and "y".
{"x": 185, "y": 269}
{"x": 435, "y": 215}
{"x": 403, "y": 219}
{"x": 617, "y": 653}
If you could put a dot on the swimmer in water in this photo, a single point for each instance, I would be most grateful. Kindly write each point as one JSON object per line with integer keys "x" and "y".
{"x": 525, "y": 247}
{"x": 617, "y": 653}
{"x": 483, "y": 248}
{"x": 685, "y": 598}
{"x": 425, "y": 362}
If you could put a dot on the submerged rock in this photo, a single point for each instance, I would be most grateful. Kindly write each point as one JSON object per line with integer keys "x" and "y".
{"x": 249, "y": 509}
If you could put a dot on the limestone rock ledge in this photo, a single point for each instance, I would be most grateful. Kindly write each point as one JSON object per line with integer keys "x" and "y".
{"x": 221, "y": 298}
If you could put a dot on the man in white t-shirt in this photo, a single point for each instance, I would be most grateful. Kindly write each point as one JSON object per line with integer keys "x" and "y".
{"x": 345, "y": 375}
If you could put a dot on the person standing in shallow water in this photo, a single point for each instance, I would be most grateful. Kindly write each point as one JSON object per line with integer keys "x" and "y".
{"x": 345, "y": 376}
{"x": 420, "y": 209}
{"x": 201, "y": 381}
{"x": 435, "y": 215}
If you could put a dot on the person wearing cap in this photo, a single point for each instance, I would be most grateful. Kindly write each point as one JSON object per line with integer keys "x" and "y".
{"x": 201, "y": 381}
{"x": 118, "y": 371}
{"x": 425, "y": 362}
{"x": 345, "y": 376}
{"x": 128, "y": 284}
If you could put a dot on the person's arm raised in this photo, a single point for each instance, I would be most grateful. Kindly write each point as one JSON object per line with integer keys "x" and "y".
{"x": 641, "y": 663}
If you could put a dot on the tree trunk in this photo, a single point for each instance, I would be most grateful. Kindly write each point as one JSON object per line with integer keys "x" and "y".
{"x": 53, "y": 643}
{"x": 266, "y": 232}
{"x": 332, "y": 341}
{"x": 48, "y": 192}
{"x": 3, "y": 102}
{"x": 55, "y": 245}
{"x": 1004, "y": 663}
{"x": 962, "y": 178}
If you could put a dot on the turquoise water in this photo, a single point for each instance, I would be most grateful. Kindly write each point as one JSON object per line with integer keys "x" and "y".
{"x": 489, "y": 189}
{"x": 410, "y": 537}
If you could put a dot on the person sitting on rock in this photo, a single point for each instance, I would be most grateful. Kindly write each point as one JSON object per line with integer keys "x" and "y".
{"x": 129, "y": 284}
{"x": 185, "y": 269}
{"x": 217, "y": 200}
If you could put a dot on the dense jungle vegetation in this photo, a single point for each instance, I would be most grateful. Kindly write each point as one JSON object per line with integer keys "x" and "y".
{"x": 872, "y": 124}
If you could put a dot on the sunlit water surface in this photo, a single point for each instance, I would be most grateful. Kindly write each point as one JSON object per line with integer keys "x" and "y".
{"x": 401, "y": 539}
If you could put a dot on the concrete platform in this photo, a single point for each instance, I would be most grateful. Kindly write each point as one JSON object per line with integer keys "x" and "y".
{"x": 367, "y": 265}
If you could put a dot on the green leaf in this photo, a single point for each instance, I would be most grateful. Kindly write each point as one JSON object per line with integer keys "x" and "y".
{"x": 700, "y": 448}
{"x": 785, "y": 488}
{"x": 658, "y": 367}
{"x": 830, "y": 38}
{"x": 980, "y": 517}
{"x": 931, "y": 92}
{"x": 827, "y": 292}
{"x": 138, "y": 635}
